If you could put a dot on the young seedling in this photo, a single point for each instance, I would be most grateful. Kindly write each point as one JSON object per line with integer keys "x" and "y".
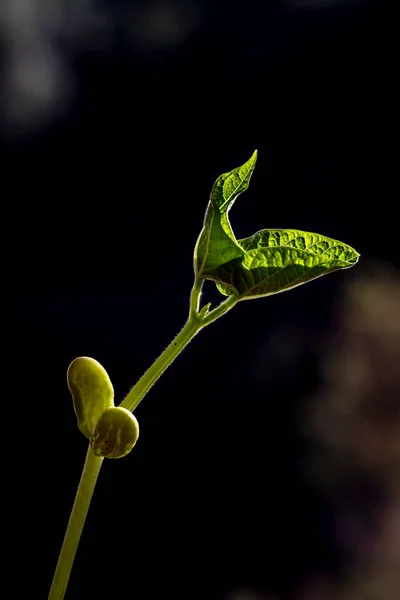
{"x": 268, "y": 262}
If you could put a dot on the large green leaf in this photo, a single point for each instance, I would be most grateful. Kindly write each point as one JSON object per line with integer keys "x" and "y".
{"x": 276, "y": 260}
{"x": 217, "y": 244}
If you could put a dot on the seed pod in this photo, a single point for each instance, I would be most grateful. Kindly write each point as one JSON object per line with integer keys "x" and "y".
{"x": 92, "y": 392}
{"x": 115, "y": 433}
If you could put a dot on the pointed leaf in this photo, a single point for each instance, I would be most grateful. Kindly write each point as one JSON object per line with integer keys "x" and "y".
{"x": 217, "y": 244}
{"x": 276, "y": 260}
{"x": 92, "y": 392}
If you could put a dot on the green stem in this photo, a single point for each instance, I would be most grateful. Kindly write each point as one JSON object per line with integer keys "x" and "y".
{"x": 220, "y": 310}
{"x": 139, "y": 390}
{"x": 195, "y": 297}
{"x": 196, "y": 321}
{"x": 192, "y": 327}
{"x": 75, "y": 525}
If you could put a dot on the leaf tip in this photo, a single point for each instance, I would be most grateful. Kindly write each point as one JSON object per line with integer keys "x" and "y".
{"x": 354, "y": 258}
{"x": 253, "y": 159}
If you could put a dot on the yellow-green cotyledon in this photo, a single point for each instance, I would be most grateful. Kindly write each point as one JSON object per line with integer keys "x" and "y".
{"x": 115, "y": 433}
{"x": 112, "y": 430}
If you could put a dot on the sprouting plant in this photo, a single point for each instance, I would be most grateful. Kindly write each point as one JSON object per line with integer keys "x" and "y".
{"x": 268, "y": 262}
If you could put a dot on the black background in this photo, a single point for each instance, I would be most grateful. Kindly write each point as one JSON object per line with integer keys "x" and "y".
{"x": 101, "y": 211}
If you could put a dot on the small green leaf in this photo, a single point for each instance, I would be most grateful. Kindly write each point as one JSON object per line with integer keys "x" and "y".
{"x": 276, "y": 260}
{"x": 204, "y": 311}
{"x": 217, "y": 244}
{"x": 92, "y": 392}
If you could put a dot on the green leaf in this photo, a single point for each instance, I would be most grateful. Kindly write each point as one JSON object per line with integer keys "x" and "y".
{"x": 92, "y": 392}
{"x": 217, "y": 244}
{"x": 276, "y": 260}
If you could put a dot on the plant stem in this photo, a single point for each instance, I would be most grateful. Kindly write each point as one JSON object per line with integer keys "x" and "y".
{"x": 191, "y": 328}
{"x": 220, "y": 310}
{"x": 75, "y": 525}
{"x": 141, "y": 388}
{"x": 195, "y": 297}
{"x": 196, "y": 321}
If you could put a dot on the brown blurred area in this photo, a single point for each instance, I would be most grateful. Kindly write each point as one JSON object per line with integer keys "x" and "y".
{"x": 356, "y": 419}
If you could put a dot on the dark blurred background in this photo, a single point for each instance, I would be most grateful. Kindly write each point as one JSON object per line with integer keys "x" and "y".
{"x": 268, "y": 465}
